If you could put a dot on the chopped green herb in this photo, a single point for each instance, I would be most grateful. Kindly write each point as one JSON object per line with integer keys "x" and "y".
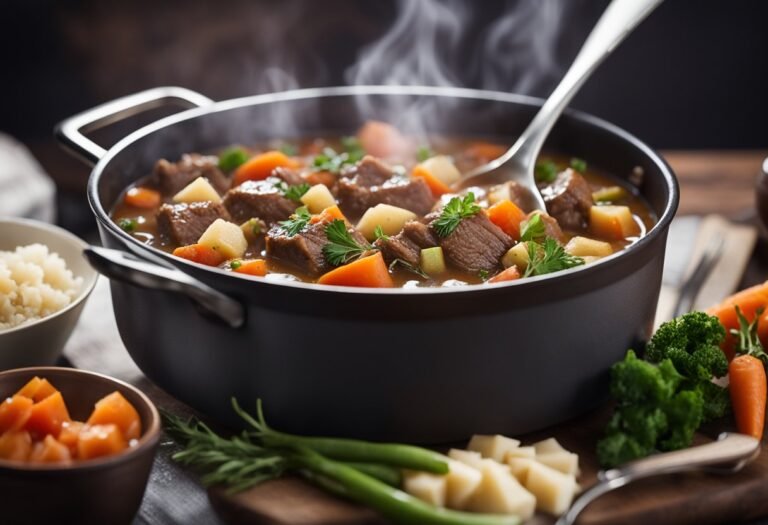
{"x": 289, "y": 149}
{"x": 294, "y": 192}
{"x": 549, "y": 257}
{"x": 353, "y": 147}
{"x": 408, "y": 267}
{"x": 483, "y": 274}
{"x": 378, "y": 233}
{"x": 545, "y": 171}
{"x": 128, "y": 225}
{"x": 330, "y": 160}
{"x": 232, "y": 158}
{"x": 532, "y": 229}
{"x": 454, "y": 212}
{"x": 297, "y": 222}
{"x": 423, "y": 153}
{"x": 342, "y": 248}
{"x": 235, "y": 264}
{"x": 579, "y": 165}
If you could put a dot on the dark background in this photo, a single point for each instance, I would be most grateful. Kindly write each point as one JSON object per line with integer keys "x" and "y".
{"x": 694, "y": 75}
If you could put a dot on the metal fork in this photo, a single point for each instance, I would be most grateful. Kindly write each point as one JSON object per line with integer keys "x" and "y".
{"x": 694, "y": 282}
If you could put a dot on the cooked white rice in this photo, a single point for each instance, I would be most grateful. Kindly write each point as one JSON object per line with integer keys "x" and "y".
{"x": 34, "y": 283}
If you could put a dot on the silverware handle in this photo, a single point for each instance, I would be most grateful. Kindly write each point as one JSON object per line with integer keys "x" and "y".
{"x": 70, "y": 131}
{"x": 127, "y": 268}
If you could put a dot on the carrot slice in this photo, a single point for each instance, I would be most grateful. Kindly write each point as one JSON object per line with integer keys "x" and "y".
{"x": 256, "y": 267}
{"x": 100, "y": 440}
{"x": 371, "y": 272}
{"x": 37, "y": 389}
{"x": 47, "y": 416}
{"x": 437, "y": 186}
{"x": 15, "y": 445}
{"x": 329, "y": 214}
{"x": 50, "y": 451}
{"x": 510, "y": 274}
{"x": 747, "y": 385}
{"x": 507, "y": 215}
{"x": 70, "y": 435}
{"x": 14, "y": 412}
{"x": 143, "y": 198}
{"x": 749, "y": 301}
{"x": 117, "y": 410}
{"x": 260, "y": 167}
{"x": 200, "y": 254}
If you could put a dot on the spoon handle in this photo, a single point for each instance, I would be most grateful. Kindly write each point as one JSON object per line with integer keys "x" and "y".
{"x": 614, "y": 25}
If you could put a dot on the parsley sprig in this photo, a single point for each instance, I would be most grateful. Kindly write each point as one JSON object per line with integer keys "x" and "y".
{"x": 342, "y": 248}
{"x": 296, "y": 222}
{"x": 293, "y": 192}
{"x": 330, "y": 160}
{"x": 549, "y": 257}
{"x": 532, "y": 229}
{"x": 454, "y": 212}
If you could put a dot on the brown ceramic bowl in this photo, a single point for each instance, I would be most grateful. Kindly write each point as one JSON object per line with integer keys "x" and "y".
{"x": 99, "y": 491}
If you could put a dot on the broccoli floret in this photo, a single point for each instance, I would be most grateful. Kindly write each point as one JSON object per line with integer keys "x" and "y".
{"x": 684, "y": 415}
{"x": 636, "y": 381}
{"x": 692, "y": 342}
{"x": 615, "y": 449}
{"x": 717, "y": 400}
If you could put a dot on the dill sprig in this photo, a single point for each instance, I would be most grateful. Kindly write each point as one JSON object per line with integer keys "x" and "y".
{"x": 454, "y": 212}
{"x": 342, "y": 248}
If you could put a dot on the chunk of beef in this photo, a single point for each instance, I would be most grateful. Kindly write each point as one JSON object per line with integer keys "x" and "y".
{"x": 407, "y": 244}
{"x": 569, "y": 199}
{"x": 551, "y": 227}
{"x": 372, "y": 182}
{"x": 515, "y": 192}
{"x": 304, "y": 250}
{"x": 288, "y": 175}
{"x": 476, "y": 244}
{"x": 261, "y": 199}
{"x": 172, "y": 177}
{"x": 184, "y": 223}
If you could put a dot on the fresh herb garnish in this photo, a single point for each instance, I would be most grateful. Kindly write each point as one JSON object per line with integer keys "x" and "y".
{"x": 297, "y": 222}
{"x": 545, "y": 171}
{"x": 293, "y": 192}
{"x": 288, "y": 149}
{"x": 483, "y": 274}
{"x": 342, "y": 248}
{"x": 128, "y": 225}
{"x": 423, "y": 153}
{"x": 378, "y": 233}
{"x": 408, "y": 267}
{"x": 579, "y": 165}
{"x": 330, "y": 160}
{"x": 454, "y": 212}
{"x": 533, "y": 228}
{"x": 232, "y": 158}
{"x": 234, "y": 265}
{"x": 549, "y": 257}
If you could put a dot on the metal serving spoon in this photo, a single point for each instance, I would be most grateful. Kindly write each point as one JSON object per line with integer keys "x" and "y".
{"x": 726, "y": 455}
{"x": 618, "y": 20}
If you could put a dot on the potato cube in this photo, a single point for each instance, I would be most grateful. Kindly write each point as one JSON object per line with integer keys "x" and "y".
{"x": 499, "y": 492}
{"x": 516, "y": 256}
{"x": 565, "y": 462}
{"x": 226, "y": 238}
{"x": 612, "y": 222}
{"x": 499, "y": 193}
{"x": 586, "y": 247}
{"x": 461, "y": 482}
{"x": 199, "y": 190}
{"x": 442, "y": 167}
{"x": 494, "y": 447}
{"x": 521, "y": 452}
{"x": 548, "y": 445}
{"x": 468, "y": 457}
{"x": 318, "y": 198}
{"x": 425, "y": 486}
{"x": 390, "y": 218}
{"x": 519, "y": 467}
{"x": 554, "y": 490}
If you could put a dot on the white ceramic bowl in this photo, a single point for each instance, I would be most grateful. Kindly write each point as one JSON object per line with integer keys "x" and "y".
{"x": 40, "y": 342}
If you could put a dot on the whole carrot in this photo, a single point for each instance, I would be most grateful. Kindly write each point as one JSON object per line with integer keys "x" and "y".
{"x": 747, "y": 378}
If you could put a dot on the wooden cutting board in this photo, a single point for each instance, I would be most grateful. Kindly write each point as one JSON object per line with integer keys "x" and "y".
{"x": 695, "y": 499}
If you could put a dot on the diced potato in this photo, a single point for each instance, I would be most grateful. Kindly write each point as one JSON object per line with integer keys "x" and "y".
{"x": 609, "y": 194}
{"x": 553, "y": 490}
{"x": 318, "y": 198}
{"x": 252, "y": 228}
{"x": 519, "y": 467}
{"x": 442, "y": 168}
{"x": 516, "y": 256}
{"x": 461, "y": 482}
{"x": 390, "y": 218}
{"x": 521, "y": 452}
{"x": 226, "y": 238}
{"x": 494, "y": 447}
{"x": 586, "y": 247}
{"x": 549, "y": 445}
{"x": 468, "y": 457}
{"x": 199, "y": 190}
{"x": 612, "y": 222}
{"x": 565, "y": 462}
{"x": 499, "y": 193}
{"x": 432, "y": 261}
{"x": 425, "y": 486}
{"x": 499, "y": 492}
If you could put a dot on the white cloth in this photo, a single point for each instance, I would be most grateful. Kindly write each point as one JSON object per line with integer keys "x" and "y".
{"x": 25, "y": 189}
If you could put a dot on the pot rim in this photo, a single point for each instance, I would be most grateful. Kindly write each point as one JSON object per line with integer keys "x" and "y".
{"x": 585, "y": 271}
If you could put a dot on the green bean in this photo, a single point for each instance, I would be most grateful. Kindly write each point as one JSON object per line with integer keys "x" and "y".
{"x": 384, "y": 473}
{"x": 393, "y": 503}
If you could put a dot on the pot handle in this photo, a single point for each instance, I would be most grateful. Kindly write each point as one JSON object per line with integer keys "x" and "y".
{"x": 126, "y": 267}
{"x": 70, "y": 131}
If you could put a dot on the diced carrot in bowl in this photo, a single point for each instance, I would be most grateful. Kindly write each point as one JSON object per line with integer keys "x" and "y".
{"x": 255, "y": 267}
{"x": 50, "y": 450}
{"x": 260, "y": 167}
{"x": 15, "y": 445}
{"x": 115, "y": 409}
{"x": 14, "y": 412}
{"x": 510, "y": 274}
{"x": 37, "y": 389}
{"x": 143, "y": 198}
{"x": 47, "y": 416}
{"x": 100, "y": 440}
{"x": 507, "y": 215}
{"x": 70, "y": 434}
{"x": 201, "y": 254}
{"x": 369, "y": 272}
{"x": 329, "y": 214}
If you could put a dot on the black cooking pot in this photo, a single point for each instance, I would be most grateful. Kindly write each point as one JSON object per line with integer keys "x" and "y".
{"x": 425, "y": 365}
